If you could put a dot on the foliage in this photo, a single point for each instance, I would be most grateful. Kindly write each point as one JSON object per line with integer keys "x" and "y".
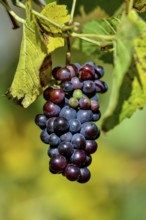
{"x": 121, "y": 35}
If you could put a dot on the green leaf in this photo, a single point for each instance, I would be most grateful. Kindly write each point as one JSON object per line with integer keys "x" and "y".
{"x": 26, "y": 85}
{"x": 58, "y": 14}
{"x": 98, "y": 27}
{"x": 126, "y": 87}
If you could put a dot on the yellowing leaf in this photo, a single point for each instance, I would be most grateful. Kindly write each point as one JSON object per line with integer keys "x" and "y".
{"x": 58, "y": 14}
{"x": 26, "y": 85}
{"x": 140, "y": 5}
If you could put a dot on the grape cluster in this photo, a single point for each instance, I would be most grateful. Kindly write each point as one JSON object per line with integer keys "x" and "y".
{"x": 68, "y": 120}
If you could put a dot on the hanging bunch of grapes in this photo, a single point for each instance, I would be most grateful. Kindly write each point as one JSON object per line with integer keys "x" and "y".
{"x": 68, "y": 119}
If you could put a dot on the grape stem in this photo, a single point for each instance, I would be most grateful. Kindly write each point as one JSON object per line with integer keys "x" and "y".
{"x": 12, "y": 13}
{"x": 72, "y": 11}
{"x": 102, "y": 37}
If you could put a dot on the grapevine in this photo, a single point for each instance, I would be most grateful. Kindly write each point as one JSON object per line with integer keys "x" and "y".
{"x": 71, "y": 92}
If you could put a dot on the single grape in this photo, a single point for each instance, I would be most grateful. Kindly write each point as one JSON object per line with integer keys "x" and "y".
{"x": 61, "y": 125}
{"x": 57, "y": 96}
{"x": 101, "y": 87}
{"x": 77, "y": 94}
{"x": 67, "y": 86}
{"x": 66, "y": 149}
{"x": 96, "y": 115}
{"x": 78, "y": 157}
{"x": 72, "y": 172}
{"x": 99, "y": 72}
{"x": 41, "y": 120}
{"x": 64, "y": 74}
{"x": 78, "y": 141}
{"x": 85, "y": 103}
{"x": 87, "y": 72}
{"x": 88, "y": 87}
{"x": 53, "y": 152}
{"x": 88, "y": 161}
{"x": 50, "y": 109}
{"x": 54, "y": 139}
{"x": 55, "y": 71}
{"x": 77, "y": 84}
{"x": 90, "y": 131}
{"x": 68, "y": 113}
{"x": 73, "y": 102}
{"x": 73, "y": 70}
{"x": 84, "y": 175}
{"x": 93, "y": 97}
{"x": 44, "y": 136}
{"x": 50, "y": 125}
{"x": 74, "y": 125}
{"x": 94, "y": 105}
{"x": 84, "y": 116}
{"x": 91, "y": 146}
{"x": 66, "y": 137}
{"x": 78, "y": 66}
{"x": 58, "y": 163}
{"x": 46, "y": 93}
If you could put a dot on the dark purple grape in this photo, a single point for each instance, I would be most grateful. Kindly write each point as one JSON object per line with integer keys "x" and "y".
{"x": 76, "y": 83}
{"x": 78, "y": 66}
{"x": 74, "y": 125}
{"x": 67, "y": 86}
{"x": 54, "y": 72}
{"x": 84, "y": 175}
{"x": 88, "y": 161}
{"x": 50, "y": 125}
{"x": 44, "y": 136}
{"x": 50, "y": 109}
{"x": 54, "y": 139}
{"x": 53, "y": 152}
{"x": 66, "y": 137}
{"x": 93, "y": 97}
{"x": 68, "y": 113}
{"x": 61, "y": 125}
{"x": 64, "y": 74}
{"x": 99, "y": 72}
{"x": 101, "y": 87}
{"x": 57, "y": 163}
{"x": 41, "y": 120}
{"x": 57, "y": 96}
{"x": 78, "y": 157}
{"x": 66, "y": 149}
{"x": 90, "y": 131}
{"x": 46, "y": 93}
{"x": 78, "y": 141}
{"x": 73, "y": 70}
{"x": 88, "y": 87}
{"x": 85, "y": 103}
{"x": 87, "y": 72}
{"x": 72, "y": 172}
{"x": 96, "y": 115}
{"x": 94, "y": 105}
{"x": 91, "y": 146}
{"x": 84, "y": 115}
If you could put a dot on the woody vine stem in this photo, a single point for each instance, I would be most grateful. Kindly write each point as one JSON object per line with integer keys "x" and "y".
{"x": 67, "y": 30}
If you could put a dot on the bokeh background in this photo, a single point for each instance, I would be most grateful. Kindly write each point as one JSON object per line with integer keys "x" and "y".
{"x": 117, "y": 189}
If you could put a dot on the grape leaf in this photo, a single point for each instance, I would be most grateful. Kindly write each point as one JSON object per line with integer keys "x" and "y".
{"x": 140, "y": 5}
{"x": 99, "y": 27}
{"x": 127, "y": 85}
{"x": 26, "y": 85}
{"x": 58, "y": 14}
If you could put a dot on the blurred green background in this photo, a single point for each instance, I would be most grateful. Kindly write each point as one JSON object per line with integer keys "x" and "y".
{"x": 117, "y": 189}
